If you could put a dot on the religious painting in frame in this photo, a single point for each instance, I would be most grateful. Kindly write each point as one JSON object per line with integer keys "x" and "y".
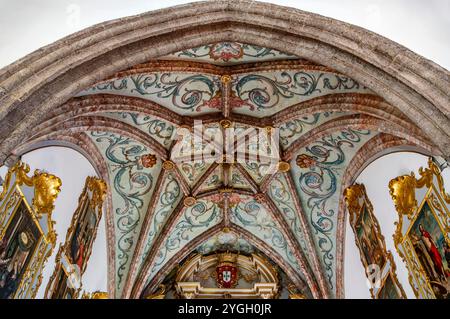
{"x": 73, "y": 255}
{"x": 388, "y": 289}
{"x": 377, "y": 261}
{"x": 64, "y": 283}
{"x": 95, "y": 295}
{"x": 422, "y": 233}
{"x": 27, "y": 237}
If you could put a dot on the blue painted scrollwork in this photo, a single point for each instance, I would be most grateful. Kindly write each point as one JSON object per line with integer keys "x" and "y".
{"x": 164, "y": 131}
{"x": 131, "y": 181}
{"x": 266, "y": 92}
{"x": 195, "y": 220}
{"x": 283, "y": 198}
{"x": 322, "y": 163}
{"x": 168, "y": 199}
{"x": 185, "y": 92}
{"x": 252, "y": 216}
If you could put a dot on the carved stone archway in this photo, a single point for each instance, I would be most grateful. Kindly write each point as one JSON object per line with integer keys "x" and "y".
{"x": 48, "y": 77}
{"x": 410, "y": 105}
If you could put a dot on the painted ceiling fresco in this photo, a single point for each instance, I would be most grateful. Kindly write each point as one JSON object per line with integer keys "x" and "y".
{"x": 251, "y": 215}
{"x": 225, "y": 241}
{"x": 132, "y": 168}
{"x": 167, "y": 204}
{"x": 318, "y": 168}
{"x": 258, "y": 94}
{"x": 228, "y": 53}
{"x": 162, "y": 131}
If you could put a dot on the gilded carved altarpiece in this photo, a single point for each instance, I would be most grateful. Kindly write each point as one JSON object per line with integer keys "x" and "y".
{"x": 224, "y": 275}
{"x": 422, "y": 230}
{"x": 73, "y": 255}
{"x": 378, "y": 262}
{"x": 27, "y": 237}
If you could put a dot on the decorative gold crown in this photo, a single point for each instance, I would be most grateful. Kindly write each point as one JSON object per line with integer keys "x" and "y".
{"x": 227, "y": 258}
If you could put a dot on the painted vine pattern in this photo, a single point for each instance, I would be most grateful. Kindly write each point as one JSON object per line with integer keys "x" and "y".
{"x": 213, "y": 181}
{"x": 168, "y": 199}
{"x": 191, "y": 92}
{"x": 257, "y": 170}
{"x": 264, "y": 92}
{"x": 229, "y": 241}
{"x": 251, "y": 215}
{"x": 193, "y": 170}
{"x": 228, "y": 51}
{"x": 195, "y": 220}
{"x": 237, "y": 180}
{"x": 283, "y": 198}
{"x": 322, "y": 163}
{"x": 293, "y": 129}
{"x": 183, "y": 91}
{"x": 131, "y": 182}
{"x": 161, "y": 131}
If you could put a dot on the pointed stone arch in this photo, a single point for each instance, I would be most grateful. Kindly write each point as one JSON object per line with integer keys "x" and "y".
{"x": 50, "y": 76}
{"x": 413, "y": 90}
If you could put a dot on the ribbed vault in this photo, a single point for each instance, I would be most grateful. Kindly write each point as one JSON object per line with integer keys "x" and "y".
{"x": 128, "y": 93}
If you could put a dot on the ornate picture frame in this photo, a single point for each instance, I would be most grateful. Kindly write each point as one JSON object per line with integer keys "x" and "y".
{"x": 422, "y": 231}
{"x": 378, "y": 262}
{"x": 27, "y": 237}
{"x": 73, "y": 255}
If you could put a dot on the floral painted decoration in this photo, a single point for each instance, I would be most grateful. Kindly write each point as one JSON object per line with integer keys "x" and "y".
{"x": 226, "y": 51}
{"x": 148, "y": 160}
{"x": 305, "y": 161}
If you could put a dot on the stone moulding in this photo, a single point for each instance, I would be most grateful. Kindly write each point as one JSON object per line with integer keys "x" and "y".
{"x": 415, "y": 89}
{"x": 416, "y": 86}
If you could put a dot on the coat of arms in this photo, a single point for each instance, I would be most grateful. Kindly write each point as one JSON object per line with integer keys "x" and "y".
{"x": 226, "y": 271}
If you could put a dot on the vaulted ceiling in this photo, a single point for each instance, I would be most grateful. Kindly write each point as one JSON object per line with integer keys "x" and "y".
{"x": 162, "y": 206}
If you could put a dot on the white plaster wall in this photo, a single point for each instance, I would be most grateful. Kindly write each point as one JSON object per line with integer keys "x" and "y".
{"x": 73, "y": 169}
{"x": 376, "y": 178}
